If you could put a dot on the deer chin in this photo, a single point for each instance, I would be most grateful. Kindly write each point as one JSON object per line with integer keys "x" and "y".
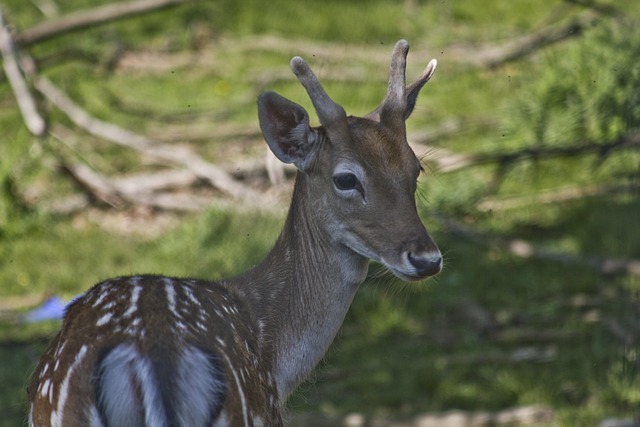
{"x": 403, "y": 268}
{"x": 408, "y": 275}
{"x": 414, "y": 268}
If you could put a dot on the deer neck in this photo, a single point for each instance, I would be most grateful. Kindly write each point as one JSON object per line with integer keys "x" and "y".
{"x": 301, "y": 292}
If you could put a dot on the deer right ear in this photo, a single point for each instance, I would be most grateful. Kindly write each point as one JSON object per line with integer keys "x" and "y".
{"x": 285, "y": 126}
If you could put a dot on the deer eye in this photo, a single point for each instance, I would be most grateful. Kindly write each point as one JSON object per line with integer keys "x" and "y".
{"x": 346, "y": 181}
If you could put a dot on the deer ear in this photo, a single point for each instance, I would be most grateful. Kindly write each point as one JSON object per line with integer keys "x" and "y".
{"x": 285, "y": 126}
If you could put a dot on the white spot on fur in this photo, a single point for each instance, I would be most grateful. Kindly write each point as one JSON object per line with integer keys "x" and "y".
{"x": 101, "y": 297}
{"x": 60, "y": 348}
{"x": 63, "y": 392}
{"x": 44, "y": 388}
{"x": 44, "y": 370}
{"x": 245, "y": 415}
{"x": 192, "y": 297}
{"x": 133, "y": 307}
{"x": 171, "y": 297}
{"x": 104, "y": 319}
{"x": 181, "y": 325}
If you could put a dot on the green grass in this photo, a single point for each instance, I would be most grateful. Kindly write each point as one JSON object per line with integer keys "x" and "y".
{"x": 403, "y": 349}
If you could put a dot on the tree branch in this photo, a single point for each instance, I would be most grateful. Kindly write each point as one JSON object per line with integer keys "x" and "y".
{"x": 448, "y": 161}
{"x": 554, "y": 196}
{"x": 86, "y": 18}
{"x": 27, "y": 105}
{"x": 171, "y": 155}
{"x": 525, "y": 249}
{"x": 493, "y": 56}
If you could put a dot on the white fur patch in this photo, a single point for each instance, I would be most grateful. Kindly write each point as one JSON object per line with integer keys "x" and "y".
{"x": 133, "y": 307}
{"x": 199, "y": 388}
{"x": 63, "y": 393}
{"x": 243, "y": 401}
{"x": 121, "y": 371}
{"x": 171, "y": 297}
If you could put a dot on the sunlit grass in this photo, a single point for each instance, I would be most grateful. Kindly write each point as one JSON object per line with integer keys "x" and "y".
{"x": 403, "y": 349}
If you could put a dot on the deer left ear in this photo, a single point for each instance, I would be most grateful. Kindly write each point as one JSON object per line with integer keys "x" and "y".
{"x": 285, "y": 126}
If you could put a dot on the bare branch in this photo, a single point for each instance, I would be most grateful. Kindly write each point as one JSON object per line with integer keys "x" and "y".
{"x": 533, "y": 415}
{"x": 493, "y": 56}
{"x": 117, "y": 192}
{"x": 171, "y": 155}
{"x": 448, "y": 161}
{"x": 96, "y": 185}
{"x": 86, "y": 18}
{"x": 555, "y": 196}
{"x": 27, "y": 105}
{"x": 525, "y": 249}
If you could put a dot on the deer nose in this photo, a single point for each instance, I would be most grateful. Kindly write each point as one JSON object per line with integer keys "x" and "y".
{"x": 426, "y": 263}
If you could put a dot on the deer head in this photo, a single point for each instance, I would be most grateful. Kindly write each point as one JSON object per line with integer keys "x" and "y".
{"x": 361, "y": 171}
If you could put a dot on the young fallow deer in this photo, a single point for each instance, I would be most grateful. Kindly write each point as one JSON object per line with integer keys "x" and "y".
{"x": 162, "y": 352}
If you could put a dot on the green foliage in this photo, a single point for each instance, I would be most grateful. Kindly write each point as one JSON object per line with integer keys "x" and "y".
{"x": 403, "y": 349}
{"x": 587, "y": 92}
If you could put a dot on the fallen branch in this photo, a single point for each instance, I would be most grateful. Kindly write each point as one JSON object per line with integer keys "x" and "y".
{"x": 533, "y": 415}
{"x": 27, "y": 105}
{"x": 524, "y": 249}
{"x": 519, "y": 355}
{"x": 117, "y": 193}
{"x": 451, "y": 162}
{"x": 94, "y": 184}
{"x": 88, "y": 18}
{"x": 555, "y": 196}
{"x": 493, "y": 56}
{"x": 169, "y": 154}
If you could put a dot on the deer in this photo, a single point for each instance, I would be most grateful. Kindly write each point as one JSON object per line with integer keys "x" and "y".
{"x": 159, "y": 351}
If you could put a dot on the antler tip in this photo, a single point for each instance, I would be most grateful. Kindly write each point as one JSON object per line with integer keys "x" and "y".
{"x": 402, "y": 44}
{"x": 431, "y": 66}
{"x": 298, "y": 65}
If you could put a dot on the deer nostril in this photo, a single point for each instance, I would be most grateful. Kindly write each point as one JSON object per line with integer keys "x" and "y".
{"x": 426, "y": 264}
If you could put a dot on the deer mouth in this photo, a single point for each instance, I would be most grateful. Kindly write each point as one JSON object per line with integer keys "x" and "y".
{"x": 416, "y": 266}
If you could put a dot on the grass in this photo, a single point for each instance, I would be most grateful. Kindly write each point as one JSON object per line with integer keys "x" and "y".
{"x": 403, "y": 349}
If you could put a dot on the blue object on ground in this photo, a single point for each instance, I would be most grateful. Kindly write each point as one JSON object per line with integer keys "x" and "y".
{"x": 51, "y": 309}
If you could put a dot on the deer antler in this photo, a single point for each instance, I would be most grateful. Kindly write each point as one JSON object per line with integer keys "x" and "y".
{"x": 332, "y": 116}
{"x": 400, "y": 100}
{"x": 395, "y": 101}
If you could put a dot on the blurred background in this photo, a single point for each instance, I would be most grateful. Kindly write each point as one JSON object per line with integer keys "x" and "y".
{"x": 130, "y": 144}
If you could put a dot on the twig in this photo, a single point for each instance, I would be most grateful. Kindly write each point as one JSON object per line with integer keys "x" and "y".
{"x": 27, "y": 105}
{"x": 86, "y": 18}
{"x": 172, "y": 155}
